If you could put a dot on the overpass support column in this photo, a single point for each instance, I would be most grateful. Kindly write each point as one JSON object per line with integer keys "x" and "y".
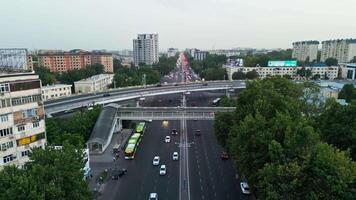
{"x": 137, "y": 103}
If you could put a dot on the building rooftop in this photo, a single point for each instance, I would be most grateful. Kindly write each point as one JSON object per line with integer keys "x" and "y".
{"x": 55, "y": 86}
{"x": 95, "y": 78}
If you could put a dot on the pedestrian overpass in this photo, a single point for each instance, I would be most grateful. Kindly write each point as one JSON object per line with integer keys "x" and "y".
{"x": 170, "y": 113}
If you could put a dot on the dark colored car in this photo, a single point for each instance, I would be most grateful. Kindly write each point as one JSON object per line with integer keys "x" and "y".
{"x": 106, "y": 95}
{"x": 116, "y": 173}
{"x": 224, "y": 155}
{"x": 159, "y": 85}
{"x": 174, "y": 132}
{"x": 176, "y": 84}
{"x": 205, "y": 84}
{"x": 197, "y": 132}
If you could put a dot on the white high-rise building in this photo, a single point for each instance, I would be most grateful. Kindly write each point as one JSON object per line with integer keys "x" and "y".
{"x": 146, "y": 49}
{"x": 305, "y": 50}
{"x": 343, "y": 50}
{"x": 171, "y": 52}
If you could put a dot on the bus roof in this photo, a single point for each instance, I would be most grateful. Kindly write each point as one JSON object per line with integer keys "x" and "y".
{"x": 217, "y": 99}
{"x": 132, "y": 141}
{"x": 130, "y": 148}
{"x": 135, "y": 136}
{"x": 140, "y": 126}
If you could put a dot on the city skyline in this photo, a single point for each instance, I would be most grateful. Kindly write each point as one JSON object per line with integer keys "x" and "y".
{"x": 182, "y": 24}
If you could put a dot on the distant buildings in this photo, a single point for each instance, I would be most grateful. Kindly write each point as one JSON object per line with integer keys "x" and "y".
{"x": 146, "y": 49}
{"x": 305, "y": 50}
{"x": 56, "y": 91}
{"x": 22, "y": 124}
{"x": 60, "y": 61}
{"x": 226, "y": 52}
{"x": 172, "y": 52}
{"x": 200, "y": 55}
{"x": 344, "y": 50}
{"x": 95, "y": 83}
{"x": 349, "y": 71}
{"x": 16, "y": 60}
{"x": 263, "y": 72}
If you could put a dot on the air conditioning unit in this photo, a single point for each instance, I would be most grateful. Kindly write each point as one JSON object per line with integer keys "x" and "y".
{"x": 37, "y": 117}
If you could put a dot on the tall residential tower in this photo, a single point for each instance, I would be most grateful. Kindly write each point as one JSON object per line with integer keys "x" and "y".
{"x": 305, "y": 50}
{"x": 343, "y": 50}
{"x": 146, "y": 49}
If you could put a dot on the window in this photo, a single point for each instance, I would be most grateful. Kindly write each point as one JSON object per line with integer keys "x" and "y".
{"x": 6, "y": 145}
{"x": 4, "y": 88}
{"x": 26, "y": 99}
{"x": 8, "y": 158}
{"x": 25, "y": 153}
{"x": 20, "y": 128}
{"x": 4, "y": 103}
{"x": 5, "y": 132}
{"x": 35, "y": 124}
{"x": 4, "y": 118}
{"x": 29, "y": 113}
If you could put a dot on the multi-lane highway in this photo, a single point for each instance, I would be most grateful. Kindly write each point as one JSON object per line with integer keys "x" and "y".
{"x": 199, "y": 174}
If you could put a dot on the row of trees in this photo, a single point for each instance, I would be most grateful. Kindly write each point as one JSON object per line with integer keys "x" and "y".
{"x": 210, "y": 68}
{"x": 134, "y": 75}
{"x": 276, "y": 142}
{"x": 68, "y": 77}
{"x": 242, "y": 76}
{"x": 348, "y": 92}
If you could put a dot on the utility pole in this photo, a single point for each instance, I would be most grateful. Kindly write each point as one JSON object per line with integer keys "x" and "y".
{"x": 114, "y": 84}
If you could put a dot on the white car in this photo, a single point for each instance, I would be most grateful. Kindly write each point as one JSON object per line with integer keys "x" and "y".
{"x": 156, "y": 160}
{"x": 244, "y": 188}
{"x": 153, "y": 196}
{"x": 162, "y": 170}
{"x": 175, "y": 156}
{"x": 167, "y": 139}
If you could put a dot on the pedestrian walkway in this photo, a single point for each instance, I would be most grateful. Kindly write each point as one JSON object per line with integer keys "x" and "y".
{"x": 100, "y": 162}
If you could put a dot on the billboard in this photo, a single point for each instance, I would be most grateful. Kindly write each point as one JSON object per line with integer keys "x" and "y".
{"x": 13, "y": 59}
{"x": 235, "y": 62}
{"x": 282, "y": 63}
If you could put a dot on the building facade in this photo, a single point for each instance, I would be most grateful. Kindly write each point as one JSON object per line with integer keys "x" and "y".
{"x": 305, "y": 50}
{"x": 263, "y": 72}
{"x": 146, "y": 49}
{"x": 22, "y": 124}
{"x": 344, "y": 50}
{"x": 95, "y": 83}
{"x": 56, "y": 91}
{"x": 15, "y": 60}
{"x": 226, "y": 52}
{"x": 59, "y": 61}
{"x": 200, "y": 55}
{"x": 172, "y": 52}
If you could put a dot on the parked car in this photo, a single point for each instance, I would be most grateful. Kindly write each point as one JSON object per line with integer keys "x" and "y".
{"x": 174, "y": 132}
{"x": 224, "y": 155}
{"x": 156, "y": 160}
{"x": 244, "y": 188}
{"x": 162, "y": 170}
{"x": 116, "y": 173}
{"x": 167, "y": 139}
{"x": 175, "y": 156}
{"x": 106, "y": 94}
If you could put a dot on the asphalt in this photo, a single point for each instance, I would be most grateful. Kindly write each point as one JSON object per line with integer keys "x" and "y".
{"x": 209, "y": 176}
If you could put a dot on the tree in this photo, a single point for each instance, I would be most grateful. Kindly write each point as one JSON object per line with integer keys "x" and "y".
{"x": 252, "y": 74}
{"x": 47, "y": 78}
{"x": 303, "y": 72}
{"x": 348, "y": 92}
{"x": 238, "y": 75}
{"x": 337, "y": 126}
{"x": 51, "y": 174}
{"x": 316, "y": 77}
{"x": 222, "y": 127}
{"x": 331, "y": 62}
{"x": 353, "y": 60}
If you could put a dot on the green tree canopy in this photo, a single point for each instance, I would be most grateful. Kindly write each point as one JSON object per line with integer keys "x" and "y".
{"x": 252, "y": 74}
{"x": 348, "y": 92}
{"x": 238, "y": 75}
{"x": 331, "y": 62}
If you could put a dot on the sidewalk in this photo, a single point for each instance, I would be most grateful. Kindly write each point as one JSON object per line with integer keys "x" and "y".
{"x": 100, "y": 162}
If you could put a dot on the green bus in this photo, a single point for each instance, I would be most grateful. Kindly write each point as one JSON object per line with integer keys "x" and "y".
{"x": 140, "y": 128}
{"x": 132, "y": 145}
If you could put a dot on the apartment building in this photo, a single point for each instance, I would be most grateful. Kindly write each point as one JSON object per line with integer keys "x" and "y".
{"x": 146, "y": 49}
{"x": 172, "y": 52}
{"x": 56, "y": 91}
{"x": 95, "y": 83}
{"x": 200, "y": 55}
{"x": 22, "y": 124}
{"x": 60, "y": 61}
{"x": 305, "y": 50}
{"x": 344, "y": 50}
{"x": 15, "y": 60}
{"x": 263, "y": 72}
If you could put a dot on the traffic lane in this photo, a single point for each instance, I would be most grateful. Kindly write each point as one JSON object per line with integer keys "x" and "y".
{"x": 212, "y": 178}
{"x": 171, "y": 100}
{"x": 203, "y": 99}
{"x": 142, "y": 177}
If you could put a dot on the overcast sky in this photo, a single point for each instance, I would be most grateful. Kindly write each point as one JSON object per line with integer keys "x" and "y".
{"x": 205, "y": 24}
